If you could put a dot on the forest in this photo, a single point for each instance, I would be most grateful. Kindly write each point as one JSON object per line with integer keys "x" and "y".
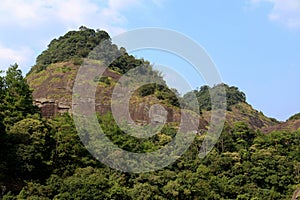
{"x": 44, "y": 158}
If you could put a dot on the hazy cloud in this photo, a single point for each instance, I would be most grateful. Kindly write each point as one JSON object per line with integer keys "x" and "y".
{"x": 70, "y": 13}
{"x": 29, "y": 13}
{"x": 286, "y": 12}
{"x": 8, "y": 56}
{"x": 58, "y": 16}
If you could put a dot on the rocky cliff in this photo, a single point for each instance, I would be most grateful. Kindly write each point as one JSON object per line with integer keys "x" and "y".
{"x": 52, "y": 80}
{"x": 52, "y": 93}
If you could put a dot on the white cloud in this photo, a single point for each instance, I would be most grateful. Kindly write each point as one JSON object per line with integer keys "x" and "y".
{"x": 71, "y": 13}
{"x": 8, "y": 56}
{"x": 119, "y": 5}
{"x": 158, "y": 3}
{"x": 39, "y": 21}
{"x": 286, "y": 12}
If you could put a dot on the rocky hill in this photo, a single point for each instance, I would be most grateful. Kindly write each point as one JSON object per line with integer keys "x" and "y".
{"x": 291, "y": 125}
{"x": 52, "y": 80}
{"x": 47, "y": 158}
{"x": 52, "y": 93}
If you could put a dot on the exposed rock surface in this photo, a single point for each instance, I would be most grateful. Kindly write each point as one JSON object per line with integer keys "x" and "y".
{"x": 288, "y": 126}
{"x": 244, "y": 112}
{"x": 52, "y": 93}
{"x": 50, "y": 107}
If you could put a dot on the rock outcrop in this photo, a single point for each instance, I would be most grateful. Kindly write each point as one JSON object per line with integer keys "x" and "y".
{"x": 52, "y": 93}
{"x": 50, "y": 107}
{"x": 53, "y": 87}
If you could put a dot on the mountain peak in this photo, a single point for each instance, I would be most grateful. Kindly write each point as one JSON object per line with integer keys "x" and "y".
{"x": 73, "y": 45}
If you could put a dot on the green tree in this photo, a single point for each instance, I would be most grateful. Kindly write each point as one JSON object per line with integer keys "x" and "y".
{"x": 15, "y": 105}
{"x": 17, "y": 100}
{"x": 2, "y": 131}
{"x": 73, "y": 45}
{"x": 68, "y": 153}
{"x": 233, "y": 96}
{"x": 243, "y": 135}
{"x": 2, "y": 95}
{"x": 30, "y": 143}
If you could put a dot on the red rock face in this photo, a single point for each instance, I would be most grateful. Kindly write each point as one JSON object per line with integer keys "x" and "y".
{"x": 53, "y": 95}
{"x": 51, "y": 108}
{"x": 53, "y": 87}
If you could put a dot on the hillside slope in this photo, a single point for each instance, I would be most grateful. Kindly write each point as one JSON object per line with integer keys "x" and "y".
{"x": 288, "y": 126}
{"x": 52, "y": 80}
{"x": 52, "y": 92}
{"x": 243, "y": 112}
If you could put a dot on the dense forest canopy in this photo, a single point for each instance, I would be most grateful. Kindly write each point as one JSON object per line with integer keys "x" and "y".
{"x": 87, "y": 43}
{"x": 74, "y": 44}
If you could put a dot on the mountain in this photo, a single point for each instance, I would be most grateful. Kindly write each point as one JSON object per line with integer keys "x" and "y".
{"x": 45, "y": 157}
{"x": 237, "y": 108}
{"x": 52, "y": 93}
{"x": 53, "y": 76}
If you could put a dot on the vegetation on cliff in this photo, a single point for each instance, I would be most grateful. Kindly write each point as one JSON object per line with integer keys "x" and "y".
{"x": 233, "y": 96}
{"x": 45, "y": 159}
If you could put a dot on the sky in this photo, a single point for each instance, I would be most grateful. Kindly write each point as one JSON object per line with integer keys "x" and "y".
{"x": 254, "y": 44}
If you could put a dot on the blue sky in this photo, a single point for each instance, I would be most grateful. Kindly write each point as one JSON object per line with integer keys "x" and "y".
{"x": 255, "y": 44}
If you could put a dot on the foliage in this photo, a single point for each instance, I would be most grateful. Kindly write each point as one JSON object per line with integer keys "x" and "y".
{"x": 30, "y": 143}
{"x": 86, "y": 43}
{"x": 45, "y": 159}
{"x": 161, "y": 92}
{"x": 233, "y": 96}
{"x": 116, "y": 59}
{"x": 294, "y": 117}
{"x": 73, "y": 45}
{"x": 16, "y": 97}
{"x": 69, "y": 153}
{"x": 243, "y": 165}
{"x": 15, "y": 106}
